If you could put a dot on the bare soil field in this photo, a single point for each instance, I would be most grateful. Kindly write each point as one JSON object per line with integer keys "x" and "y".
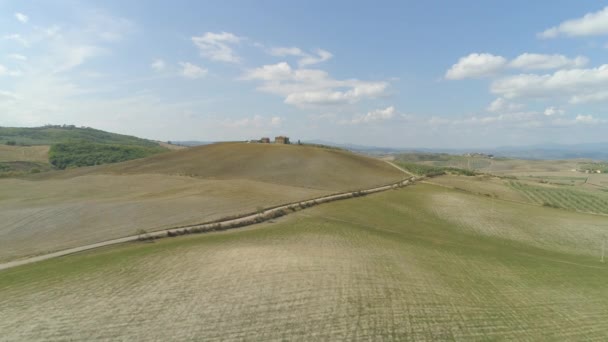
{"x": 390, "y": 266}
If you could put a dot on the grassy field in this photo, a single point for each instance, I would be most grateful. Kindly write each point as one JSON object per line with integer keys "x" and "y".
{"x": 420, "y": 263}
{"x": 293, "y": 165}
{"x": 63, "y": 209}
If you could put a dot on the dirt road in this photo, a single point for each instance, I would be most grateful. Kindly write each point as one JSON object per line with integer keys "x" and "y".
{"x": 230, "y": 223}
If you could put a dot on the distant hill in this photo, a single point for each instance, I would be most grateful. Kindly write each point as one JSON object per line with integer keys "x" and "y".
{"x": 294, "y": 165}
{"x": 596, "y": 151}
{"x": 49, "y": 135}
{"x": 64, "y": 146}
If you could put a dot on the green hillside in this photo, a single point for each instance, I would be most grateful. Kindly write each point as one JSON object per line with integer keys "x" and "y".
{"x": 49, "y": 135}
{"x": 70, "y": 146}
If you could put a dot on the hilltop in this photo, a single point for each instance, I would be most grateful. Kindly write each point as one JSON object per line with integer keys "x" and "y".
{"x": 292, "y": 165}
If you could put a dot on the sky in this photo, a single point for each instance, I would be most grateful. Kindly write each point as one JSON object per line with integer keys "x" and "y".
{"x": 436, "y": 74}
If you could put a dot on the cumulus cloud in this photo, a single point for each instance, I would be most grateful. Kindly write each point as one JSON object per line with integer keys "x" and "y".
{"x": 591, "y": 24}
{"x": 531, "y": 61}
{"x": 502, "y": 105}
{"x": 158, "y": 65}
{"x": 306, "y": 59}
{"x": 192, "y": 71}
{"x": 551, "y": 111}
{"x": 476, "y": 65}
{"x": 374, "y": 116}
{"x": 22, "y": 17}
{"x": 312, "y": 86}
{"x": 578, "y": 85}
{"x": 218, "y": 46}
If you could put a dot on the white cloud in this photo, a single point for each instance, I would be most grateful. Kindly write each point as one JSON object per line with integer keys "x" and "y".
{"x": 192, "y": 71}
{"x": 321, "y": 56}
{"x": 158, "y": 65}
{"x": 16, "y": 38}
{"x": 374, "y": 116}
{"x": 312, "y": 86}
{"x": 502, "y": 105}
{"x": 589, "y": 25}
{"x": 476, "y": 65}
{"x": 73, "y": 56}
{"x": 217, "y": 46}
{"x": 551, "y": 111}
{"x": 17, "y": 57}
{"x": 306, "y": 59}
{"x": 598, "y": 96}
{"x": 531, "y": 61}
{"x": 586, "y": 119}
{"x": 22, "y": 17}
{"x": 578, "y": 85}
{"x": 4, "y": 71}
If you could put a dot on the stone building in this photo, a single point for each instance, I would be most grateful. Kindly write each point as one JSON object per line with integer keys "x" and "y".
{"x": 265, "y": 140}
{"x": 281, "y": 140}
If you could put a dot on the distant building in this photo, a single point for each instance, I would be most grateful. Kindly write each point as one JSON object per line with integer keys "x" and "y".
{"x": 265, "y": 140}
{"x": 281, "y": 140}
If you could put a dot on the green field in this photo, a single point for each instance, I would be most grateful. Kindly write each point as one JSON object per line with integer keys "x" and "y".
{"x": 564, "y": 197}
{"x": 419, "y": 263}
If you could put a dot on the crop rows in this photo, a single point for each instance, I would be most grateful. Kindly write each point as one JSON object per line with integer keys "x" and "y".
{"x": 564, "y": 198}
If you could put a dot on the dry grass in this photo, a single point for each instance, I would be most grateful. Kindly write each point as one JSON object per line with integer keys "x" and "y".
{"x": 293, "y": 165}
{"x": 385, "y": 267}
{"x": 24, "y": 153}
{"x": 44, "y": 216}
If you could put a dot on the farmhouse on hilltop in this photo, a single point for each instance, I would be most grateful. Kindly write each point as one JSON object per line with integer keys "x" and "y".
{"x": 281, "y": 140}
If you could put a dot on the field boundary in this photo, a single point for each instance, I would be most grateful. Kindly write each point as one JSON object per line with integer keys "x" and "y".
{"x": 218, "y": 225}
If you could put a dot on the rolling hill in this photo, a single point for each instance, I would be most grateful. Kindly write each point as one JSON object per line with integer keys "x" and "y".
{"x": 61, "y": 209}
{"x": 292, "y": 165}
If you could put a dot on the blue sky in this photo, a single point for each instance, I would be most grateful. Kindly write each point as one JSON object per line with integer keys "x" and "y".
{"x": 403, "y": 73}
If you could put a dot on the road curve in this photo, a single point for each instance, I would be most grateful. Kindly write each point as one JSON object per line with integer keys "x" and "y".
{"x": 206, "y": 227}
